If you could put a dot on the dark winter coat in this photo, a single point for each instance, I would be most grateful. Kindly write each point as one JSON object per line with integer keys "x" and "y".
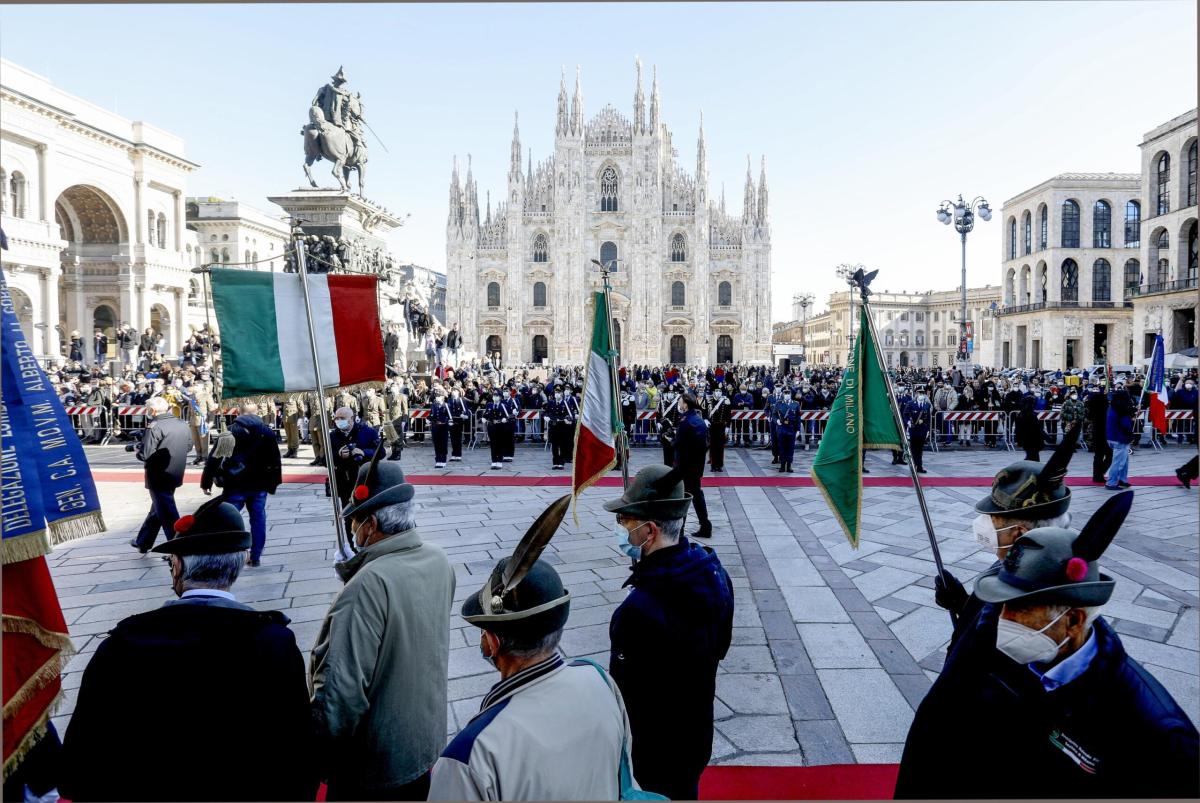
{"x": 667, "y": 638}
{"x": 691, "y": 442}
{"x": 201, "y": 699}
{"x": 989, "y": 729}
{"x": 164, "y": 449}
{"x": 1119, "y": 424}
{"x": 254, "y": 465}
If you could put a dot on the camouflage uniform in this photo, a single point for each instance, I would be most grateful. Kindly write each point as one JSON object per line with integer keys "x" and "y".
{"x": 397, "y": 412}
{"x": 205, "y": 405}
{"x": 374, "y": 410}
{"x": 316, "y": 427}
{"x": 291, "y": 422}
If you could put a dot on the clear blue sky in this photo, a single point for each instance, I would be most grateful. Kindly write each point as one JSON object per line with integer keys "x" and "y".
{"x": 869, "y": 114}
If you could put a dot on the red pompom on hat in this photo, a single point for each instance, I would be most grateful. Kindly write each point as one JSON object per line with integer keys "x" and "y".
{"x": 184, "y": 523}
{"x": 361, "y": 492}
{"x": 1077, "y": 569}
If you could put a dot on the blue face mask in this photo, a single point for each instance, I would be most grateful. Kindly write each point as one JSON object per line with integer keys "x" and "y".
{"x": 623, "y": 542}
{"x": 342, "y": 424}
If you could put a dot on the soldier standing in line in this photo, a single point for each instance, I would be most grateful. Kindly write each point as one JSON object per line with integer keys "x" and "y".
{"x": 317, "y": 428}
{"x": 559, "y": 422}
{"x": 291, "y": 423}
{"x": 496, "y": 416}
{"x": 344, "y": 398}
{"x": 460, "y": 414}
{"x": 718, "y": 426}
{"x": 439, "y": 425}
{"x": 374, "y": 408}
{"x": 397, "y": 411}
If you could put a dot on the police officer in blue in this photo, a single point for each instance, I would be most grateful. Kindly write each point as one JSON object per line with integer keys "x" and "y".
{"x": 439, "y": 423}
{"x": 512, "y": 403}
{"x": 691, "y": 449}
{"x": 809, "y": 402}
{"x": 787, "y": 422}
{"x": 776, "y": 409}
{"x": 559, "y": 422}
{"x": 460, "y": 413}
{"x": 496, "y": 417}
{"x": 919, "y": 417}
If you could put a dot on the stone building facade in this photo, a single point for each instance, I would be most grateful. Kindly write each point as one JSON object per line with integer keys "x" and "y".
{"x": 1165, "y": 300}
{"x": 916, "y": 330}
{"x": 1070, "y": 261}
{"x": 93, "y": 208}
{"x": 691, "y": 285}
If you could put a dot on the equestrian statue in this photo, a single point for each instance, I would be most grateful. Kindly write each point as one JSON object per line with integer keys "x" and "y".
{"x": 335, "y": 132}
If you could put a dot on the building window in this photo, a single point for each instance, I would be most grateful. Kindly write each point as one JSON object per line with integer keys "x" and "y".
{"x": 1101, "y": 225}
{"x": 1162, "y": 247}
{"x": 1070, "y": 224}
{"x": 1101, "y": 281}
{"x": 1070, "y": 281}
{"x": 225, "y": 255}
{"x": 609, "y": 184}
{"x": 17, "y": 187}
{"x": 920, "y": 317}
{"x": 493, "y": 294}
{"x": 678, "y": 249}
{"x": 1044, "y": 229}
{"x": 1045, "y": 282}
{"x": 1162, "y": 196}
{"x": 935, "y": 338}
{"x": 936, "y": 316}
{"x": 214, "y": 257}
{"x": 162, "y": 230}
{"x": 3, "y": 192}
{"x": 247, "y": 257}
{"x": 1012, "y": 238}
{"x": 608, "y": 255}
{"x": 151, "y": 229}
{"x": 1027, "y": 225}
{"x": 678, "y": 294}
{"x": 1133, "y": 224}
{"x": 1133, "y": 276}
{"x": 540, "y": 250}
{"x": 1191, "y": 175}
{"x": 539, "y": 294}
{"x": 1193, "y": 261}
{"x": 724, "y": 294}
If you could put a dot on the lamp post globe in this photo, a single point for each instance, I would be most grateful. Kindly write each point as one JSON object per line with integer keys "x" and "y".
{"x": 963, "y": 214}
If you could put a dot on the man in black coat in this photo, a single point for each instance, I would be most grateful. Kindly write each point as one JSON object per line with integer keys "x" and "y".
{"x": 1042, "y": 700}
{"x": 691, "y": 452}
{"x": 351, "y": 443}
{"x": 675, "y": 626}
{"x": 1096, "y": 405}
{"x": 202, "y": 699}
{"x": 163, "y": 448}
{"x": 245, "y": 463}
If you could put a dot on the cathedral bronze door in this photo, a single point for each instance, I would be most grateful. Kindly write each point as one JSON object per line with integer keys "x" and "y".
{"x": 724, "y": 349}
{"x": 541, "y": 351}
{"x": 678, "y": 349}
{"x": 493, "y": 345}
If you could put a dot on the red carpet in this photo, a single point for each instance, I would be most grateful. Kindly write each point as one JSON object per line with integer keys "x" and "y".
{"x": 829, "y": 782}
{"x": 308, "y": 475}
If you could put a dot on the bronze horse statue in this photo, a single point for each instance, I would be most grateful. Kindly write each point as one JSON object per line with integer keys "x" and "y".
{"x": 323, "y": 140}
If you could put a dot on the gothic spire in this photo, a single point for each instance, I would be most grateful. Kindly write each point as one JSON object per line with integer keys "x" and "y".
{"x": 577, "y": 103}
{"x": 654, "y": 102}
{"x": 722, "y": 197}
{"x": 762, "y": 191}
{"x": 561, "y": 128}
{"x": 455, "y": 196}
{"x": 472, "y": 195}
{"x": 515, "y": 166}
{"x": 639, "y": 101}
{"x": 489, "y": 207}
{"x": 749, "y": 202}
{"x": 701, "y": 155}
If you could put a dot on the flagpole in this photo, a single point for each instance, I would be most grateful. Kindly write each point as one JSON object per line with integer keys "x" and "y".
{"x": 343, "y": 545}
{"x": 912, "y": 468}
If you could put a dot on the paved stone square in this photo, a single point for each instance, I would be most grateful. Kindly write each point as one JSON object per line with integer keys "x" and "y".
{"x": 833, "y": 648}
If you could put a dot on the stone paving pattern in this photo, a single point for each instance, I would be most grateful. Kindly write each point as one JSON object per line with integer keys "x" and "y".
{"x": 833, "y": 648}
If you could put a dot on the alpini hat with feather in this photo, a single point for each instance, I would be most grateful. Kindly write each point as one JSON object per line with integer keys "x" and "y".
{"x": 656, "y": 492}
{"x": 378, "y": 484}
{"x": 524, "y": 596}
{"x": 1057, "y": 566}
{"x": 1031, "y": 490}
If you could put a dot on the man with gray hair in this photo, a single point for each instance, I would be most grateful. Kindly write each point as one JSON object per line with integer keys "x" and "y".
{"x": 676, "y": 623}
{"x": 381, "y": 661}
{"x": 163, "y": 449}
{"x": 175, "y": 699}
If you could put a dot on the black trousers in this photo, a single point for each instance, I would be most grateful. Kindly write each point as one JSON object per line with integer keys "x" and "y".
{"x": 441, "y": 439}
{"x": 510, "y": 438}
{"x": 916, "y": 445}
{"x": 496, "y": 441}
{"x": 1102, "y": 456}
{"x": 691, "y": 485}
{"x": 1191, "y": 469}
{"x": 456, "y": 433}
{"x": 716, "y": 447}
{"x": 668, "y": 451}
{"x": 163, "y": 515}
{"x": 560, "y": 443}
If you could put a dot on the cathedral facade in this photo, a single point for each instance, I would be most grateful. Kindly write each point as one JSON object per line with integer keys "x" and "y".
{"x": 691, "y": 284}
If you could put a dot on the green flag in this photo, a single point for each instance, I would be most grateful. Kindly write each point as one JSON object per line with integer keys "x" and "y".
{"x": 861, "y": 418}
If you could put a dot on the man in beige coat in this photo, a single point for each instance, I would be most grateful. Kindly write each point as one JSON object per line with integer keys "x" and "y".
{"x": 380, "y": 664}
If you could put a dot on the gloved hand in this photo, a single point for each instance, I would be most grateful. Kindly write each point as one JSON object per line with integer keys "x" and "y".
{"x": 949, "y": 594}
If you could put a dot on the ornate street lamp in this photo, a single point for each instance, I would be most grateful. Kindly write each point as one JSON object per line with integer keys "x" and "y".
{"x": 963, "y": 215}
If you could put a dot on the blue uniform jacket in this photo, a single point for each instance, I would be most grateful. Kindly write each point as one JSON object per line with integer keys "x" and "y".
{"x": 691, "y": 442}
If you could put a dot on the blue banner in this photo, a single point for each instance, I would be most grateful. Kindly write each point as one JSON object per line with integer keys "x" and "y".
{"x": 48, "y": 495}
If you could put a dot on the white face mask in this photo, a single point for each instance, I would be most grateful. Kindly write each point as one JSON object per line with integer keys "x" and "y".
{"x": 342, "y": 423}
{"x": 1026, "y": 645}
{"x": 986, "y": 535}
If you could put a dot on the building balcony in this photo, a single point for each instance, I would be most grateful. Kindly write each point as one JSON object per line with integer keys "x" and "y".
{"x": 1043, "y": 305}
{"x": 1163, "y": 287}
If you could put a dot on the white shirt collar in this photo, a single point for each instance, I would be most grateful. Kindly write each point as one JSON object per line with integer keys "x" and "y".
{"x": 208, "y": 592}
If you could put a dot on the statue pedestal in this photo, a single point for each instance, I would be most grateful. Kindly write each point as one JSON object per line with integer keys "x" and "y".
{"x": 340, "y": 214}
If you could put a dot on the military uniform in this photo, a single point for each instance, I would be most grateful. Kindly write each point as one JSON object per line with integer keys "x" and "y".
{"x": 397, "y": 410}
{"x": 374, "y": 409}
{"x": 495, "y": 414}
{"x": 559, "y": 424}
{"x": 787, "y": 422}
{"x": 718, "y": 426}
{"x": 460, "y": 415}
{"x": 439, "y": 426}
{"x": 317, "y": 429}
{"x": 291, "y": 422}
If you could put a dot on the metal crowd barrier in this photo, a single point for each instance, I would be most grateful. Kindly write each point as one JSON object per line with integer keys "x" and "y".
{"x": 129, "y": 418}
{"x": 948, "y": 424}
{"x": 88, "y": 421}
{"x": 1181, "y": 428}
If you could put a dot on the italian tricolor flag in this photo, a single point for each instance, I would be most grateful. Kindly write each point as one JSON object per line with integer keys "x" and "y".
{"x": 265, "y": 345}
{"x": 599, "y": 419}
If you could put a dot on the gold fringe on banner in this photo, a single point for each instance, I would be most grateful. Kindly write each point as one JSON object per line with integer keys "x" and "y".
{"x": 47, "y": 638}
{"x": 46, "y": 673}
{"x": 73, "y": 527}
{"x": 26, "y": 547}
{"x": 32, "y": 736}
